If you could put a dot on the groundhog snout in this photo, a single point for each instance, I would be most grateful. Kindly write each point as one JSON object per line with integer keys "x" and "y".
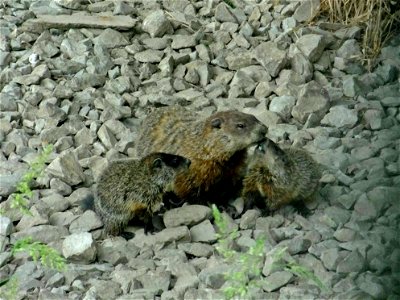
{"x": 187, "y": 162}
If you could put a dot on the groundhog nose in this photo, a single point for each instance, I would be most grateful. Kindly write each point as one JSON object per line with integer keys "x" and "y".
{"x": 188, "y": 162}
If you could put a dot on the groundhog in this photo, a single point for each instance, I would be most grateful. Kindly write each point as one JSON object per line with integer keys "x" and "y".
{"x": 276, "y": 177}
{"x": 216, "y": 145}
{"x": 131, "y": 188}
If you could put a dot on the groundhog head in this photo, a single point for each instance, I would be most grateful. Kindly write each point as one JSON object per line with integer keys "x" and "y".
{"x": 164, "y": 167}
{"x": 272, "y": 158}
{"x": 232, "y": 131}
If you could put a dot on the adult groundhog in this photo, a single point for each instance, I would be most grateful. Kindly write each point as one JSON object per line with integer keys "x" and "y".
{"x": 216, "y": 145}
{"x": 277, "y": 177}
{"x": 131, "y": 188}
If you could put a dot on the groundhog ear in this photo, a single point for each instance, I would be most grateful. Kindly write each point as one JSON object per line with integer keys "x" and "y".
{"x": 157, "y": 163}
{"x": 216, "y": 123}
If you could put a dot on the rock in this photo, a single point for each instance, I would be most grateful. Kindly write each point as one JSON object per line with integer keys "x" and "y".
{"x": 352, "y": 87}
{"x": 311, "y": 46}
{"x": 213, "y": 277}
{"x": 276, "y": 280}
{"x": 249, "y": 218}
{"x": 186, "y": 215}
{"x": 85, "y": 223}
{"x": 39, "y": 216}
{"x": 312, "y": 99}
{"x": 331, "y": 258}
{"x": 183, "y": 41}
{"x": 149, "y": 56}
{"x": 66, "y": 168}
{"x": 271, "y": 57}
{"x": 350, "y": 49}
{"x": 106, "y": 136}
{"x": 56, "y": 203}
{"x": 42, "y": 233}
{"x": 223, "y": 14}
{"x": 156, "y": 24}
{"x": 197, "y": 249}
{"x": 104, "y": 289}
{"x": 353, "y": 262}
{"x": 6, "y": 226}
{"x": 340, "y": 117}
{"x": 282, "y": 106}
{"x": 391, "y": 101}
{"x": 79, "y": 248}
{"x": 306, "y": 10}
{"x": 203, "y": 232}
{"x": 302, "y": 66}
{"x": 157, "y": 281}
{"x": 110, "y": 38}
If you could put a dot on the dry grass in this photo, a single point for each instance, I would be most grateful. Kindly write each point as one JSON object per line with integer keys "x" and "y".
{"x": 379, "y": 19}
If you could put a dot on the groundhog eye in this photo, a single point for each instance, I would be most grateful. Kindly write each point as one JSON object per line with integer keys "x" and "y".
{"x": 240, "y": 125}
{"x": 260, "y": 148}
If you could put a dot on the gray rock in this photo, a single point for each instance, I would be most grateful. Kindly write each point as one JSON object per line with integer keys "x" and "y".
{"x": 297, "y": 245}
{"x": 56, "y": 202}
{"x": 223, "y": 14}
{"x": 183, "y": 41}
{"x": 104, "y": 289}
{"x": 186, "y": 215}
{"x": 156, "y": 24}
{"x": 249, "y": 218}
{"x": 79, "y": 247}
{"x": 276, "y": 280}
{"x": 373, "y": 286}
{"x": 365, "y": 209}
{"x": 312, "y": 99}
{"x": 39, "y": 216}
{"x": 184, "y": 283}
{"x": 353, "y": 262}
{"x": 42, "y": 233}
{"x": 158, "y": 281}
{"x": 391, "y": 101}
{"x": 62, "y": 218}
{"x": 106, "y": 136}
{"x": 87, "y": 222}
{"x": 271, "y": 57}
{"x": 168, "y": 235}
{"x": 282, "y": 106}
{"x": 66, "y": 168}
{"x": 197, "y": 249}
{"x": 203, "y": 232}
{"x": 302, "y": 66}
{"x": 345, "y": 235}
{"x": 123, "y": 8}
{"x": 331, "y": 258}
{"x": 340, "y": 117}
{"x": 110, "y": 38}
{"x": 311, "y": 46}
{"x": 306, "y": 10}
{"x": 213, "y": 277}
{"x": 60, "y": 186}
{"x": 149, "y": 56}
{"x": 6, "y": 226}
{"x": 352, "y": 87}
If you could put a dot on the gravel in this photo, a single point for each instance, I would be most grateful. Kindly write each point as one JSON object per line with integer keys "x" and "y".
{"x": 86, "y": 90}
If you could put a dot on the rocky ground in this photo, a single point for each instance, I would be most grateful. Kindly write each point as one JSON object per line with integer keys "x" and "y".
{"x": 85, "y": 90}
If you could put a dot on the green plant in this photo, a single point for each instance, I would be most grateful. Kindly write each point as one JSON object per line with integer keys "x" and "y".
{"x": 9, "y": 288}
{"x": 24, "y": 193}
{"x": 246, "y": 273}
{"x": 48, "y": 256}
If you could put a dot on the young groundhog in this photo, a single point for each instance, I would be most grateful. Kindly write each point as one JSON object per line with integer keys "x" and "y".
{"x": 277, "y": 177}
{"x": 131, "y": 188}
{"x": 216, "y": 145}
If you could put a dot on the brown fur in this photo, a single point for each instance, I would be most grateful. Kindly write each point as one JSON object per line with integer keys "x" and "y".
{"x": 279, "y": 177}
{"x": 216, "y": 146}
{"x": 131, "y": 188}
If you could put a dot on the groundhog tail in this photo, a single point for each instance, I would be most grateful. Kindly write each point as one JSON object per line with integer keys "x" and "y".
{"x": 88, "y": 203}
